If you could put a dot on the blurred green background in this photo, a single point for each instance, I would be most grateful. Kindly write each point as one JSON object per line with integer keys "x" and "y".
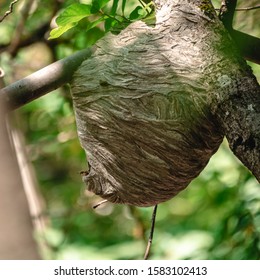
{"x": 216, "y": 217}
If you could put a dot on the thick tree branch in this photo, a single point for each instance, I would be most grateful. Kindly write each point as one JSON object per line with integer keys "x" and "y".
{"x": 227, "y": 11}
{"x": 248, "y": 45}
{"x": 43, "y": 81}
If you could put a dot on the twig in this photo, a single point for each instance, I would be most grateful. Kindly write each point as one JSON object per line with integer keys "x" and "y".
{"x": 2, "y": 72}
{"x": 100, "y": 203}
{"x": 248, "y": 8}
{"x": 244, "y": 9}
{"x": 150, "y": 240}
{"x": 20, "y": 27}
{"x": 142, "y": 4}
{"x": 247, "y": 44}
{"x": 8, "y": 12}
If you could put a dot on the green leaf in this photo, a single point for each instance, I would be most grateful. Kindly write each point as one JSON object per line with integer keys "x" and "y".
{"x": 137, "y": 13}
{"x": 69, "y": 18}
{"x": 98, "y": 4}
{"x": 110, "y": 23}
{"x": 123, "y": 6}
{"x": 57, "y": 32}
{"x": 94, "y": 23}
{"x": 114, "y": 7}
{"x": 74, "y": 13}
{"x": 102, "y": 3}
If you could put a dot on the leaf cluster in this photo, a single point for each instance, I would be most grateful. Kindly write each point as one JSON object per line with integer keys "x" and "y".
{"x": 98, "y": 12}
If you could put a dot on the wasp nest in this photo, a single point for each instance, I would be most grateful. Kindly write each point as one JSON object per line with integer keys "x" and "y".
{"x": 141, "y": 109}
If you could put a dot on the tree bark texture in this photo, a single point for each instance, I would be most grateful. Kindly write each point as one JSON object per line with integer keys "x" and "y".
{"x": 153, "y": 103}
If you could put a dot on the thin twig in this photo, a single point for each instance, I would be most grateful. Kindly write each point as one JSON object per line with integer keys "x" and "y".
{"x": 100, "y": 203}
{"x": 150, "y": 240}
{"x": 248, "y": 8}
{"x": 244, "y": 9}
{"x": 8, "y": 12}
{"x": 146, "y": 5}
{"x": 2, "y": 72}
{"x": 17, "y": 36}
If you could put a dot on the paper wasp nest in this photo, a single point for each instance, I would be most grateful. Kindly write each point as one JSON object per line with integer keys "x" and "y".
{"x": 142, "y": 118}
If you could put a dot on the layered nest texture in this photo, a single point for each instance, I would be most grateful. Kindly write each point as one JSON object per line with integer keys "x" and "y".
{"x": 142, "y": 117}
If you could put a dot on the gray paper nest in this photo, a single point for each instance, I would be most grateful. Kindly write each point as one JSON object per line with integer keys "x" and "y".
{"x": 141, "y": 116}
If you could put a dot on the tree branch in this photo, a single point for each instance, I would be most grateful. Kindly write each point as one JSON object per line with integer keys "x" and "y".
{"x": 248, "y": 45}
{"x": 226, "y": 13}
{"x": 7, "y": 13}
{"x": 248, "y": 8}
{"x": 43, "y": 81}
{"x": 245, "y": 9}
{"x": 20, "y": 27}
{"x": 36, "y": 36}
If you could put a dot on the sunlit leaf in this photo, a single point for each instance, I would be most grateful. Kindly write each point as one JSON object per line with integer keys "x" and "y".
{"x": 57, "y": 32}
{"x": 69, "y": 18}
{"x": 73, "y": 13}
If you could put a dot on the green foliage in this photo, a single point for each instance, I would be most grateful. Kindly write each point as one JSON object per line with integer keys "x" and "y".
{"x": 95, "y": 13}
{"x": 70, "y": 18}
